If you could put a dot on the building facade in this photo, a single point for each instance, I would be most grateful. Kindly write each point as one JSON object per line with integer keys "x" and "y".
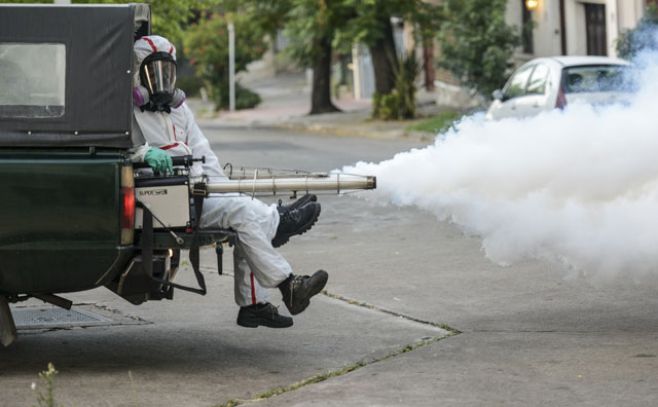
{"x": 573, "y": 27}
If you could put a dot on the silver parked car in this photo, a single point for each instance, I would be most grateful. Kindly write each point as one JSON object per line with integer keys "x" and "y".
{"x": 549, "y": 83}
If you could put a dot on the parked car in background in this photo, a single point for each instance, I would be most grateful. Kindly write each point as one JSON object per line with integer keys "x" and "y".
{"x": 548, "y": 83}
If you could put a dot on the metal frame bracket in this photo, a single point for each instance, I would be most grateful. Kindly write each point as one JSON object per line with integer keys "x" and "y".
{"x": 7, "y": 325}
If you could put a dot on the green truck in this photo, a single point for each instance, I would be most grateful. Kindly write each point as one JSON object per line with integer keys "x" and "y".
{"x": 75, "y": 212}
{"x": 68, "y": 206}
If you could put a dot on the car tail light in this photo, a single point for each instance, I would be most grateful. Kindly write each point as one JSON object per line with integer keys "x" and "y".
{"x": 127, "y": 205}
{"x": 561, "y": 101}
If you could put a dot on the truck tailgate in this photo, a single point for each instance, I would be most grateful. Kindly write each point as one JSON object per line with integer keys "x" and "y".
{"x": 60, "y": 222}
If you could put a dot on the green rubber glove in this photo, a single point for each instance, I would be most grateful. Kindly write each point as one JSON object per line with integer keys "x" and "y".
{"x": 159, "y": 160}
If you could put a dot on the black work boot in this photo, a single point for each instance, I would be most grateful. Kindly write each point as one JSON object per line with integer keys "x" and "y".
{"x": 297, "y": 204}
{"x": 266, "y": 314}
{"x": 296, "y": 222}
{"x": 298, "y": 290}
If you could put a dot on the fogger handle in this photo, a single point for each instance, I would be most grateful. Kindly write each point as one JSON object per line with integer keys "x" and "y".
{"x": 177, "y": 161}
{"x": 187, "y": 160}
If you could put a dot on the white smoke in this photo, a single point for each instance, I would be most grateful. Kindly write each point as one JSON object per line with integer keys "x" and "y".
{"x": 578, "y": 186}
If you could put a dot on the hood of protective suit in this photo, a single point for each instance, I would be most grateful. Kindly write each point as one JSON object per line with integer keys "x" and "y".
{"x": 156, "y": 61}
{"x": 152, "y": 44}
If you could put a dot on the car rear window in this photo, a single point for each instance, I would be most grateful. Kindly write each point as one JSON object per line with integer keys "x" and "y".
{"x": 596, "y": 78}
{"x": 32, "y": 80}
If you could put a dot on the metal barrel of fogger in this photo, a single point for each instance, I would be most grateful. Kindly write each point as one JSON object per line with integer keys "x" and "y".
{"x": 331, "y": 182}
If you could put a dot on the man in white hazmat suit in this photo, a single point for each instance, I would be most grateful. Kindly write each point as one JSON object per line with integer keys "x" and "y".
{"x": 169, "y": 129}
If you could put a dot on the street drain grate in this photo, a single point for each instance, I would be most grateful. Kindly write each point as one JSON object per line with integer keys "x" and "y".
{"x": 48, "y": 317}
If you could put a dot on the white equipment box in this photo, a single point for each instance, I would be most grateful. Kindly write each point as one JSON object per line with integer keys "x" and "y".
{"x": 170, "y": 204}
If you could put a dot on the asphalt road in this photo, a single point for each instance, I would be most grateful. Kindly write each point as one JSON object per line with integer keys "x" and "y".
{"x": 414, "y": 315}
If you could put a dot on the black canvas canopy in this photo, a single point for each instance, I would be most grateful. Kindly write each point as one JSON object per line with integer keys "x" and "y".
{"x": 70, "y": 69}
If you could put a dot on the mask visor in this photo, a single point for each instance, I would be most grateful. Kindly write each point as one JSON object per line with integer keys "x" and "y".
{"x": 159, "y": 76}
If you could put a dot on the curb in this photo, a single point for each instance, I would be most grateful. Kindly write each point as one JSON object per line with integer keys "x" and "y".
{"x": 355, "y": 131}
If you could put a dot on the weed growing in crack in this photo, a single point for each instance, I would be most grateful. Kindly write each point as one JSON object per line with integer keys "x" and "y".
{"x": 46, "y": 398}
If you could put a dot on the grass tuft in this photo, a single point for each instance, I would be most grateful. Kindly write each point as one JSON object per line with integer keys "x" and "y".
{"x": 436, "y": 124}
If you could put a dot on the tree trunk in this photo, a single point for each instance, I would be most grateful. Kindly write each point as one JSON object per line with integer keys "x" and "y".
{"x": 428, "y": 63}
{"x": 321, "y": 93}
{"x": 384, "y": 58}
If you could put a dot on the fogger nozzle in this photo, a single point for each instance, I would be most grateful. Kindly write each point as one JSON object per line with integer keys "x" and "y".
{"x": 331, "y": 182}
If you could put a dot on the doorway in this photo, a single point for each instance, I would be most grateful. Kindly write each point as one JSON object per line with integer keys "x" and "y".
{"x": 595, "y": 25}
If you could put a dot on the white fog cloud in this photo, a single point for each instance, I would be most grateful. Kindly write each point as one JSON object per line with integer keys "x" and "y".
{"x": 578, "y": 186}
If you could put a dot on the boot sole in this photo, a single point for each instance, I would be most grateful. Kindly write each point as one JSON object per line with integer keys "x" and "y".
{"x": 255, "y": 323}
{"x": 281, "y": 240}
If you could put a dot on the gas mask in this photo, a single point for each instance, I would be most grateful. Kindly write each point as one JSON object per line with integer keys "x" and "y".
{"x": 157, "y": 92}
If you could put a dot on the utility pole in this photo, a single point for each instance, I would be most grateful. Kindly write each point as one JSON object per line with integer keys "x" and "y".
{"x": 231, "y": 66}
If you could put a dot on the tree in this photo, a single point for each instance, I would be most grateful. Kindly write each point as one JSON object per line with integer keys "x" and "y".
{"x": 394, "y": 76}
{"x": 311, "y": 27}
{"x": 644, "y": 37}
{"x": 206, "y": 47}
{"x": 168, "y": 17}
{"x": 400, "y": 103}
{"x": 477, "y": 44}
{"x": 371, "y": 25}
{"x": 382, "y": 47}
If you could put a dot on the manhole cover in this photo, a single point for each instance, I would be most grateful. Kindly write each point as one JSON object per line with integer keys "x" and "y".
{"x": 49, "y": 317}
{"x": 37, "y": 318}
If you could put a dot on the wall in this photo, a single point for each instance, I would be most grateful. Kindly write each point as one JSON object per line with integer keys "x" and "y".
{"x": 546, "y": 34}
{"x": 620, "y": 15}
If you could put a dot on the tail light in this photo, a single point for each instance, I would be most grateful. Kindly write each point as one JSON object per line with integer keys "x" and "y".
{"x": 561, "y": 101}
{"x": 127, "y": 205}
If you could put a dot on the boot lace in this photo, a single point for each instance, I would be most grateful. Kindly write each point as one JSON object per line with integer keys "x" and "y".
{"x": 290, "y": 216}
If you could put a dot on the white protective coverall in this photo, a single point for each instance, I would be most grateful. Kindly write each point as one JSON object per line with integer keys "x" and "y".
{"x": 256, "y": 263}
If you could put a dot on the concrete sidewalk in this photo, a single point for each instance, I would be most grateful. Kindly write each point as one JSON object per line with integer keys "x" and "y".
{"x": 287, "y": 101}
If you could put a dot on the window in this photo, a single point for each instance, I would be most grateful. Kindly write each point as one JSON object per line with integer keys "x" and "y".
{"x": 32, "y": 80}
{"x": 601, "y": 78}
{"x": 595, "y": 16}
{"x": 538, "y": 79}
{"x": 517, "y": 84}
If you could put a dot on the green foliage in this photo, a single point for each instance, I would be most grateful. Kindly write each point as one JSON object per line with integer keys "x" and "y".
{"x": 369, "y": 23}
{"x": 350, "y": 21}
{"x": 269, "y": 15}
{"x": 365, "y": 17}
{"x": 168, "y": 17}
{"x": 401, "y": 102}
{"x": 190, "y": 84}
{"x": 477, "y": 44}
{"x": 244, "y": 98}
{"x": 206, "y": 46}
{"x": 384, "y": 106}
{"x": 436, "y": 124}
{"x": 29, "y": 1}
{"x": 644, "y": 37}
{"x": 47, "y": 398}
{"x": 308, "y": 22}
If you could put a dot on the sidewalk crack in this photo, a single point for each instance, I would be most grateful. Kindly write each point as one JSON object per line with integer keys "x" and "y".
{"x": 276, "y": 391}
{"x": 364, "y": 304}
